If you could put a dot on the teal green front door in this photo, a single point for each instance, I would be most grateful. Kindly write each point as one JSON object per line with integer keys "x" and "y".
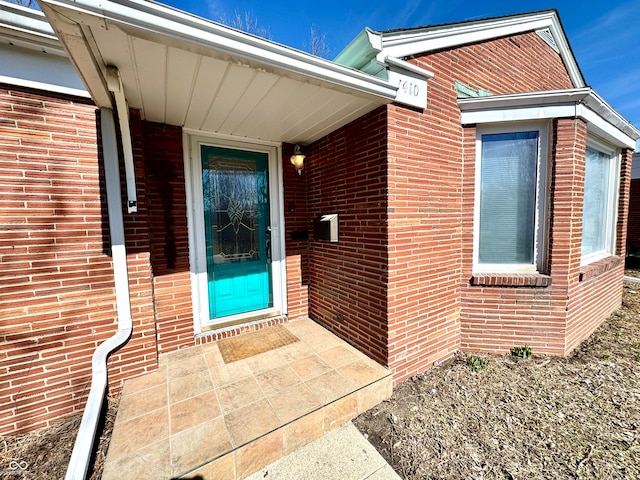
{"x": 237, "y": 233}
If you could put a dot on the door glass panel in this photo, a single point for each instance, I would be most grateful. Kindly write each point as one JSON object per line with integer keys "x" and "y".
{"x": 234, "y": 202}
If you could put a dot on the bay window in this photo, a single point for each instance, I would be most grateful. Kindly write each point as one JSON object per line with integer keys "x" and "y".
{"x": 511, "y": 184}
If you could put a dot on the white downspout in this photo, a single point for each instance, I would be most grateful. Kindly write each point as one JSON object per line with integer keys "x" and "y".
{"x": 114, "y": 82}
{"x": 81, "y": 455}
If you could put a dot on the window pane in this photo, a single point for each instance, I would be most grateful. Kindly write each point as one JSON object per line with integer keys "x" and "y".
{"x": 596, "y": 196}
{"x": 508, "y": 197}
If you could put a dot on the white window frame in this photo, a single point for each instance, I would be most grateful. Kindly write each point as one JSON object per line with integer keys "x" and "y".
{"x": 541, "y": 205}
{"x": 192, "y": 140}
{"x": 612, "y": 200}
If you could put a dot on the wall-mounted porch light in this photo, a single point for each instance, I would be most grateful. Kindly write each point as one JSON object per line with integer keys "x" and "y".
{"x": 297, "y": 159}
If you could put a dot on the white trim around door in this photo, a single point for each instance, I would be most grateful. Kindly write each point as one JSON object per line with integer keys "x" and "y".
{"x": 192, "y": 143}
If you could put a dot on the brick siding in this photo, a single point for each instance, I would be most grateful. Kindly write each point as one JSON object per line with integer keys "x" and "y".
{"x": 347, "y": 174}
{"x": 398, "y": 285}
{"x": 297, "y": 224}
{"x": 166, "y": 216}
{"x": 439, "y": 306}
{"x": 598, "y": 291}
{"x": 434, "y": 303}
{"x": 56, "y": 282}
{"x": 424, "y": 217}
{"x": 495, "y": 319}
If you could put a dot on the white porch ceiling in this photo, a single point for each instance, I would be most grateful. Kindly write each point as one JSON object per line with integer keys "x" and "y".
{"x": 182, "y": 70}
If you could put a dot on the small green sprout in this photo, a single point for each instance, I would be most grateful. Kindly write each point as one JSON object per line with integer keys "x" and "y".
{"x": 522, "y": 352}
{"x": 476, "y": 363}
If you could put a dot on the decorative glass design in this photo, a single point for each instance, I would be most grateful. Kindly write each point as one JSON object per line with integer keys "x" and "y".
{"x": 235, "y": 204}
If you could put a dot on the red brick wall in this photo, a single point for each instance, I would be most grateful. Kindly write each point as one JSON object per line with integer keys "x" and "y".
{"x": 56, "y": 282}
{"x": 496, "y": 319}
{"x": 347, "y": 174}
{"x": 424, "y": 211}
{"x": 431, "y": 203}
{"x": 624, "y": 202}
{"x": 432, "y": 309}
{"x": 598, "y": 291}
{"x": 139, "y": 355}
{"x": 166, "y": 208}
{"x": 591, "y": 302}
{"x": 557, "y": 318}
{"x": 439, "y": 260}
{"x": 520, "y": 63}
{"x": 297, "y": 222}
{"x": 396, "y": 285}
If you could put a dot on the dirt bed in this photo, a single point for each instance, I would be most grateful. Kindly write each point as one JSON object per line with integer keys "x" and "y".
{"x": 515, "y": 418}
{"x": 521, "y": 418}
{"x": 45, "y": 453}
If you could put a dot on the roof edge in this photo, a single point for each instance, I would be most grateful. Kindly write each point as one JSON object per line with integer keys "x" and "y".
{"x": 28, "y": 27}
{"x": 405, "y": 43}
{"x": 183, "y": 26}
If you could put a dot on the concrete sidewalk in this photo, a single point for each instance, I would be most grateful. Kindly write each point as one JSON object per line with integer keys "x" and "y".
{"x": 341, "y": 454}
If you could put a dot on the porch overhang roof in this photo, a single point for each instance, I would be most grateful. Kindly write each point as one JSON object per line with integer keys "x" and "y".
{"x": 584, "y": 103}
{"x": 183, "y": 70}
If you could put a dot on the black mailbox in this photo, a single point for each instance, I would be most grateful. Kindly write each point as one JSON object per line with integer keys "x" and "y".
{"x": 325, "y": 227}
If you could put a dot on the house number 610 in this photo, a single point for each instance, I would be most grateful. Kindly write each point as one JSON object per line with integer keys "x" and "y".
{"x": 409, "y": 88}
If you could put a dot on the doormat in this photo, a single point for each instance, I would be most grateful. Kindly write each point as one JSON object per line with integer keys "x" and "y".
{"x": 250, "y": 344}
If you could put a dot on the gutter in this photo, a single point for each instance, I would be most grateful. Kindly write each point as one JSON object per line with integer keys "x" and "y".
{"x": 24, "y": 24}
{"x": 361, "y": 50}
{"x": 81, "y": 455}
{"x": 409, "y": 67}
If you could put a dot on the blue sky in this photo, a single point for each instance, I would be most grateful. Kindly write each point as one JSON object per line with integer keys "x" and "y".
{"x": 601, "y": 33}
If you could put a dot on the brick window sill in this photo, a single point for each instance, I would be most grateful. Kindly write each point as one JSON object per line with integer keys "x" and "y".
{"x": 599, "y": 267}
{"x": 513, "y": 280}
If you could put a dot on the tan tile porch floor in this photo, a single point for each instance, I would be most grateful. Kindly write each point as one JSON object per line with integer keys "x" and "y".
{"x": 199, "y": 417}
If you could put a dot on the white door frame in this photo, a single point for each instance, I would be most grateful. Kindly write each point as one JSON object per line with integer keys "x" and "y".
{"x": 192, "y": 140}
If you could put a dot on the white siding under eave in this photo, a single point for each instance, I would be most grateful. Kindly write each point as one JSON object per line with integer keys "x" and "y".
{"x": 44, "y": 71}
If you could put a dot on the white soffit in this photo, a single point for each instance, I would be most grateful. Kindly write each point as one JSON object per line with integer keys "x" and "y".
{"x": 583, "y": 103}
{"x": 183, "y": 70}
{"x": 405, "y": 43}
